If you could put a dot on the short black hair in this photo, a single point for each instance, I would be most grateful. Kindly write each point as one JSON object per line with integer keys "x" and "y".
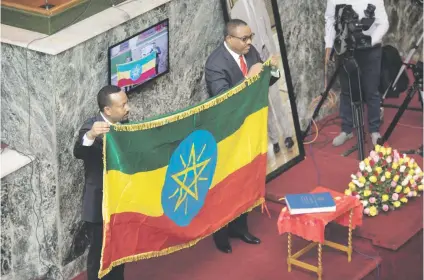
{"x": 232, "y": 24}
{"x": 103, "y": 97}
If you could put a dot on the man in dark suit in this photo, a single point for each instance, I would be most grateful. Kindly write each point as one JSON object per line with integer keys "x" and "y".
{"x": 113, "y": 105}
{"x": 233, "y": 61}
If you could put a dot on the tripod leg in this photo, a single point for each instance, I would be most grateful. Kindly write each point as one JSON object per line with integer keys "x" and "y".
{"x": 399, "y": 114}
{"x": 359, "y": 124}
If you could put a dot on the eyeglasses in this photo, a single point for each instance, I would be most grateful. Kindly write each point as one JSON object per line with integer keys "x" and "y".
{"x": 245, "y": 38}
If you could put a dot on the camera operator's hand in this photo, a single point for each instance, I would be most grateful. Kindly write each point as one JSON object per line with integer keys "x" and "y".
{"x": 255, "y": 70}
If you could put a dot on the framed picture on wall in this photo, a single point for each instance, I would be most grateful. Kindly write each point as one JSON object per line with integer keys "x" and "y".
{"x": 285, "y": 147}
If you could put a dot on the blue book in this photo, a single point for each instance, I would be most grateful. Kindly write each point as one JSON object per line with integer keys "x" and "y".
{"x": 310, "y": 203}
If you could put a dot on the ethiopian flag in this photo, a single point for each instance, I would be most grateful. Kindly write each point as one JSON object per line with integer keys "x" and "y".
{"x": 136, "y": 72}
{"x": 171, "y": 181}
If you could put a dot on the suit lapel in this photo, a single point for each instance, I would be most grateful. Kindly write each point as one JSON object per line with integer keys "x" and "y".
{"x": 231, "y": 62}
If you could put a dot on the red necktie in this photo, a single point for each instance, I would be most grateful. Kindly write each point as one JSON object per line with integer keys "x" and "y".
{"x": 243, "y": 66}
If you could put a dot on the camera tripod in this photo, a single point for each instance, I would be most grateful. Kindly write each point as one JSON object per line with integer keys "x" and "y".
{"x": 347, "y": 63}
{"x": 393, "y": 85}
{"x": 412, "y": 90}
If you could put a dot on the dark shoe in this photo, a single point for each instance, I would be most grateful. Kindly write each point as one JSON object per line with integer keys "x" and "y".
{"x": 225, "y": 248}
{"x": 276, "y": 148}
{"x": 247, "y": 237}
{"x": 289, "y": 142}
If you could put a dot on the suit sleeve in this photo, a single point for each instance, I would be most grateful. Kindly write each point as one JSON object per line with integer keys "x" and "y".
{"x": 81, "y": 151}
{"x": 216, "y": 80}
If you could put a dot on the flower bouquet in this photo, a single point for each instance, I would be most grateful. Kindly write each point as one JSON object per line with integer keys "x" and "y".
{"x": 385, "y": 180}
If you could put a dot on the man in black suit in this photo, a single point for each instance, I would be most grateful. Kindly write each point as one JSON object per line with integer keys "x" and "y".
{"x": 233, "y": 61}
{"x": 113, "y": 105}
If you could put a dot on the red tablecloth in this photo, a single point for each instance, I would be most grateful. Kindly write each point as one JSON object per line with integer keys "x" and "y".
{"x": 311, "y": 226}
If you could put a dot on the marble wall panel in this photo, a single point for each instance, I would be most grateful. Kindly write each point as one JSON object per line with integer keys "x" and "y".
{"x": 28, "y": 126}
{"x": 303, "y": 29}
{"x": 80, "y": 73}
{"x": 406, "y": 26}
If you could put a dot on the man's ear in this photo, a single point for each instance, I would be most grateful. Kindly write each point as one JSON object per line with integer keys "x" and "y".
{"x": 107, "y": 110}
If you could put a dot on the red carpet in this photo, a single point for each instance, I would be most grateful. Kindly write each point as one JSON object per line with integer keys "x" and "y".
{"x": 251, "y": 262}
{"x": 397, "y": 238}
{"x": 334, "y": 172}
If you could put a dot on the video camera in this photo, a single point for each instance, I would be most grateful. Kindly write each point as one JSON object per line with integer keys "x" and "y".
{"x": 349, "y": 28}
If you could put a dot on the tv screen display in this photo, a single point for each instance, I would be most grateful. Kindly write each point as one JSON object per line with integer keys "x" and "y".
{"x": 140, "y": 58}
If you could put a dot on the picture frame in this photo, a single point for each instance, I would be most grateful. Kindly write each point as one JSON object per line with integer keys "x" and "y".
{"x": 282, "y": 106}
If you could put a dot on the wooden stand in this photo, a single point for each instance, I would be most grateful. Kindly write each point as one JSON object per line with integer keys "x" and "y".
{"x": 293, "y": 259}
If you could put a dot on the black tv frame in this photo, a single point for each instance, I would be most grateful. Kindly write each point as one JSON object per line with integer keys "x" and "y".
{"x": 138, "y": 87}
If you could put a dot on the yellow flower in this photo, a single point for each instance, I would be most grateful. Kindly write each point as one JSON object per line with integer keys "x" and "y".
{"x": 383, "y": 151}
{"x": 401, "y": 160}
{"x": 412, "y": 181}
{"x": 367, "y": 161}
{"x": 414, "y": 193}
{"x": 377, "y": 148}
{"x": 385, "y": 197}
{"x": 406, "y": 190}
{"x": 389, "y": 151}
{"x": 387, "y": 174}
{"x": 352, "y": 186}
{"x": 395, "y": 165}
{"x": 348, "y": 192}
{"x": 367, "y": 193}
{"x": 420, "y": 187}
{"x": 396, "y": 178}
{"x": 404, "y": 200}
{"x": 373, "y": 211}
{"x": 398, "y": 189}
{"x": 362, "y": 180}
{"x": 373, "y": 179}
{"x": 410, "y": 164}
{"x": 411, "y": 172}
{"x": 396, "y": 204}
{"x": 407, "y": 159}
{"x": 379, "y": 169}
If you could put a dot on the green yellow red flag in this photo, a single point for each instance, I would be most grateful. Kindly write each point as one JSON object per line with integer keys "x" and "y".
{"x": 175, "y": 179}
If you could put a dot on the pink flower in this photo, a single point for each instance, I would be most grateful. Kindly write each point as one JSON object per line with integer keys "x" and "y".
{"x": 385, "y": 207}
{"x": 359, "y": 174}
{"x": 393, "y": 184}
{"x": 366, "y": 211}
{"x": 373, "y": 154}
{"x": 372, "y": 199}
{"x": 395, "y": 196}
{"x": 376, "y": 158}
{"x": 410, "y": 194}
{"x": 396, "y": 156}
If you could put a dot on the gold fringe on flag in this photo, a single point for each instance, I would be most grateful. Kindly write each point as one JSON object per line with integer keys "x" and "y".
{"x": 189, "y": 112}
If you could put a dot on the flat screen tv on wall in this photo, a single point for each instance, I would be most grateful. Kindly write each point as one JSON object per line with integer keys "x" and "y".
{"x": 140, "y": 58}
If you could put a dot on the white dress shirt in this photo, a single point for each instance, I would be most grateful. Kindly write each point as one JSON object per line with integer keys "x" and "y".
{"x": 88, "y": 142}
{"x": 377, "y": 30}
{"x": 235, "y": 55}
